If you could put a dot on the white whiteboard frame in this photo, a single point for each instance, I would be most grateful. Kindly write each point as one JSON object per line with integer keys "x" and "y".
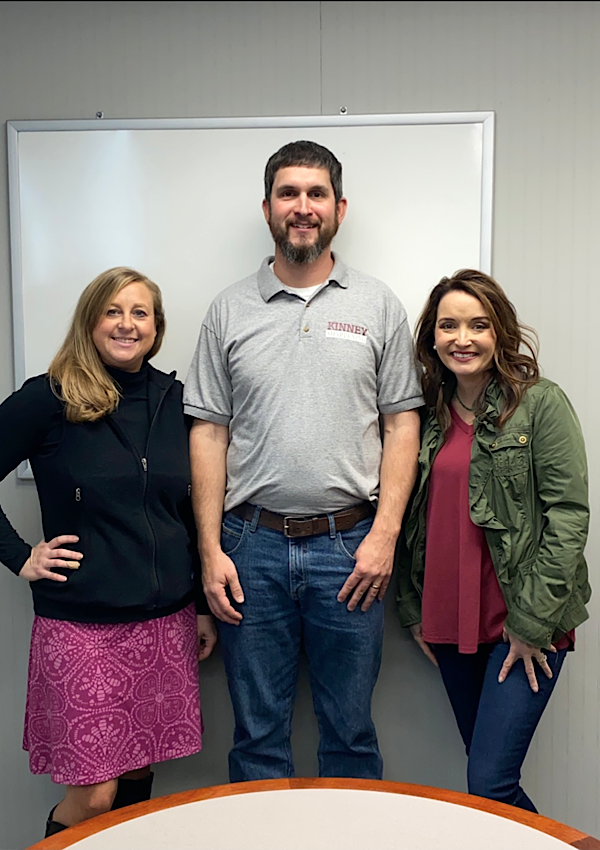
{"x": 485, "y": 119}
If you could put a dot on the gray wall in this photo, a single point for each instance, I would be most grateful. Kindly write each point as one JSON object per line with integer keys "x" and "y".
{"x": 537, "y": 65}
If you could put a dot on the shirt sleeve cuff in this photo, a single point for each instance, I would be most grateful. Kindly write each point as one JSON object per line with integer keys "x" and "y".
{"x": 208, "y": 415}
{"x": 400, "y": 406}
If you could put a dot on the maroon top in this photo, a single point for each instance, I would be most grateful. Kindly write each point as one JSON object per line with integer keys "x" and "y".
{"x": 462, "y": 600}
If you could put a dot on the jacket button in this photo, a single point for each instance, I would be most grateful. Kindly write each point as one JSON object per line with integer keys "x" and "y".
{"x": 493, "y": 446}
{"x": 522, "y": 439}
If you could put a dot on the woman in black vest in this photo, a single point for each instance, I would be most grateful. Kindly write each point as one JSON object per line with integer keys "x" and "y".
{"x": 120, "y": 618}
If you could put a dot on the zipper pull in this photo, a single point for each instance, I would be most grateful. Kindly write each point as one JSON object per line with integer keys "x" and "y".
{"x": 78, "y": 494}
{"x": 145, "y": 464}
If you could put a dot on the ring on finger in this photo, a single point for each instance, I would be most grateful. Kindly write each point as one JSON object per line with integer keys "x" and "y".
{"x": 543, "y": 658}
{"x": 375, "y": 586}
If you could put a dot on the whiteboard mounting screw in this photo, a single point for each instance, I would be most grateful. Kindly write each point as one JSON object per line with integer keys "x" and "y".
{"x": 99, "y": 114}
{"x": 343, "y": 110}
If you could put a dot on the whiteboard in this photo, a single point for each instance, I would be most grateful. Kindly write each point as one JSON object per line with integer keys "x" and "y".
{"x": 180, "y": 200}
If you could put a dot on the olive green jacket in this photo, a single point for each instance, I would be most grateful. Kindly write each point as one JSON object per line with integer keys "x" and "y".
{"x": 528, "y": 491}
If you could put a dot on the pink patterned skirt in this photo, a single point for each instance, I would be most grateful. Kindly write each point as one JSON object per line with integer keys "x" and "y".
{"x": 106, "y": 699}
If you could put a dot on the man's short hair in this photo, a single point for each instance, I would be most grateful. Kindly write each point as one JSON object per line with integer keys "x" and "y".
{"x": 308, "y": 155}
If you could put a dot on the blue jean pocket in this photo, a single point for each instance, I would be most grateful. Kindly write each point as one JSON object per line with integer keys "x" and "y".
{"x": 233, "y": 531}
{"x": 349, "y": 541}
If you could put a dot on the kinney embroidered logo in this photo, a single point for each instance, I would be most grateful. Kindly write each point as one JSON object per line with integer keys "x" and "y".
{"x": 344, "y": 330}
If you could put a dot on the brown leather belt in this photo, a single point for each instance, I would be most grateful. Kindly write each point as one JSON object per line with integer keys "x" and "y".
{"x": 292, "y": 526}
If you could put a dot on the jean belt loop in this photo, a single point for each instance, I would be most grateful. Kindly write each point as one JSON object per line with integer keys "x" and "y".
{"x": 332, "y": 531}
{"x": 255, "y": 518}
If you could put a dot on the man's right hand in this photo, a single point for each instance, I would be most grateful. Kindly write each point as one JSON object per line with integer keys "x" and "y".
{"x": 218, "y": 573}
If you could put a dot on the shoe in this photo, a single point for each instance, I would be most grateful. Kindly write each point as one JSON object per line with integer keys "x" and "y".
{"x": 130, "y": 791}
{"x": 53, "y": 826}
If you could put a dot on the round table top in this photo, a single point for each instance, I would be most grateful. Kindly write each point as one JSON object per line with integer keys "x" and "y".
{"x": 331, "y": 814}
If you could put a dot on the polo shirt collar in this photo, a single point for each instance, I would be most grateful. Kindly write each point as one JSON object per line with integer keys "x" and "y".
{"x": 269, "y": 284}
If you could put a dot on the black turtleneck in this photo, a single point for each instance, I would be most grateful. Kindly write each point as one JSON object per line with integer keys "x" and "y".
{"x": 132, "y": 412}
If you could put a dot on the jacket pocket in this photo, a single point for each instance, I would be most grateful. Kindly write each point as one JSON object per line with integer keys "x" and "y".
{"x": 82, "y": 525}
{"x": 511, "y": 458}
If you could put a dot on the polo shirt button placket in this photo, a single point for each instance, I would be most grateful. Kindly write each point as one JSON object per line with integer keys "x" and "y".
{"x": 305, "y": 328}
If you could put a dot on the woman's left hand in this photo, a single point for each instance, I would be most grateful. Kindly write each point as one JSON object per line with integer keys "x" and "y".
{"x": 520, "y": 649}
{"x": 207, "y": 635}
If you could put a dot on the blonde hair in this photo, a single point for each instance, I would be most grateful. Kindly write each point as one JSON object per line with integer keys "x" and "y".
{"x": 77, "y": 374}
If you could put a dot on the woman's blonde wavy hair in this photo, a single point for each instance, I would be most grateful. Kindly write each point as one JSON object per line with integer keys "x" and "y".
{"x": 77, "y": 374}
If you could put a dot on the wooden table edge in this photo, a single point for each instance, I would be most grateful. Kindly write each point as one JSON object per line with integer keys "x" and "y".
{"x": 568, "y": 834}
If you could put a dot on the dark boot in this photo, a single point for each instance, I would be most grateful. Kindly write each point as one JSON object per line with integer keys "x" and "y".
{"x": 53, "y": 826}
{"x": 130, "y": 791}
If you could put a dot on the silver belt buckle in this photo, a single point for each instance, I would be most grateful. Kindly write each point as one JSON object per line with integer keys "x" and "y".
{"x": 286, "y": 525}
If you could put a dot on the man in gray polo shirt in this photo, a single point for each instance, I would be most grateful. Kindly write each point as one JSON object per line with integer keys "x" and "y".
{"x": 295, "y": 369}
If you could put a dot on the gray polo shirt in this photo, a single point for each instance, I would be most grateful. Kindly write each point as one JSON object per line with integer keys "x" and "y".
{"x": 301, "y": 386}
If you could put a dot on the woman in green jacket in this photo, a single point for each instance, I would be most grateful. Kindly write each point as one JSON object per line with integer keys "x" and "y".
{"x": 492, "y": 578}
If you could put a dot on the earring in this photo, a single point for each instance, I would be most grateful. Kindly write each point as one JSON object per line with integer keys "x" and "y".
{"x": 435, "y": 347}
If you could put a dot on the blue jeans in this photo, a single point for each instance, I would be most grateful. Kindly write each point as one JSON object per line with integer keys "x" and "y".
{"x": 290, "y": 587}
{"x": 496, "y": 721}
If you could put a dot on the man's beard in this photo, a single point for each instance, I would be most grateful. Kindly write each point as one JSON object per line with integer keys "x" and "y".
{"x": 301, "y": 255}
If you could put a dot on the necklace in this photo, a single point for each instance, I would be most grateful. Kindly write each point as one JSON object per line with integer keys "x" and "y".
{"x": 461, "y": 402}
